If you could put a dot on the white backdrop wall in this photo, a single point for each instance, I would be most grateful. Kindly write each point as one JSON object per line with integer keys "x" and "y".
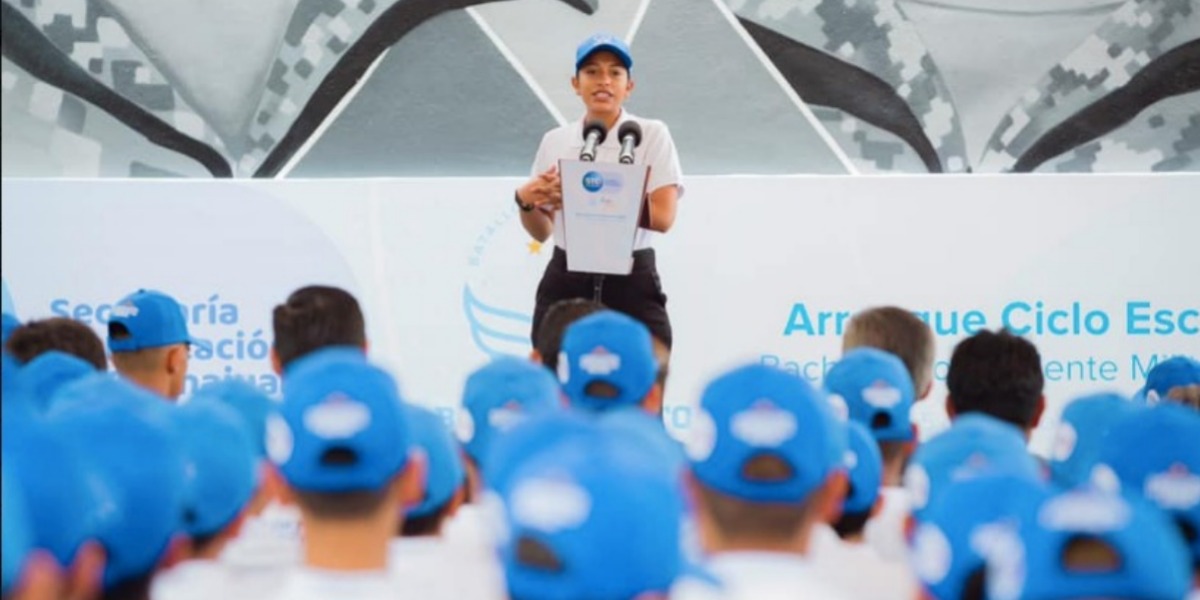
{"x": 1102, "y": 272}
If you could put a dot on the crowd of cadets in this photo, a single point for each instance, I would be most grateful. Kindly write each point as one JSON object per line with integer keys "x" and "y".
{"x": 557, "y": 480}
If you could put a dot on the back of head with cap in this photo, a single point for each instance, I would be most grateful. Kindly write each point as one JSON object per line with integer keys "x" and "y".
{"x": 51, "y": 370}
{"x": 341, "y": 437}
{"x": 445, "y": 474}
{"x": 607, "y": 361}
{"x": 1087, "y": 543}
{"x": 149, "y": 340}
{"x": 1083, "y": 433}
{"x": 1168, "y": 376}
{"x": 499, "y": 395}
{"x": 133, "y": 446}
{"x": 877, "y": 392}
{"x": 222, "y": 472}
{"x": 864, "y": 469}
{"x": 250, "y": 403}
{"x": 764, "y": 448}
{"x": 592, "y": 518}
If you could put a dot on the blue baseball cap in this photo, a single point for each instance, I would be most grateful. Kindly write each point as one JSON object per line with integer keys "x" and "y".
{"x": 132, "y": 444}
{"x": 1082, "y": 433}
{"x": 864, "y": 465}
{"x": 222, "y": 465}
{"x": 603, "y": 41}
{"x": 594, "y": 518}
{"x": 1156, "y": 453}
{"x": 877, "y": 391}
{"x": 251, "y": 404}
{"x": 64, "y": 500}
{"x": 607, "y": 361}
{"x": 15, "y": 525}
{"x": 152, "y": 318}
{"x": 445, "y": 472}
{"x": 500, "y": 394}
{"x": 342, "y": 425}
{"x": 764, "y": 435}
{"x": 949, "y": 545}
{"x": 18, "y": 406}
{"x": 528, "y": 438}
{"x": 974, "y": 445}
{"x": 49, "y": 371}
{"x": 10, "y": 323}
{"x": 1087, "y": 543}
{"x": 1174, "y": 372}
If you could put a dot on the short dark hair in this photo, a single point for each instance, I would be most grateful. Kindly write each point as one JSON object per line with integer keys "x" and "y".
{"x": 997, "y": 374}
{"x": 736, "y": 518}
{"x": 898, "y": 331}
{"x": 316, "y": 317}
{"x": 852, "y": 523}
{"x": 68, "y": 336}
{"x": 560, "y": 315}
{"x": 342, "y": 506}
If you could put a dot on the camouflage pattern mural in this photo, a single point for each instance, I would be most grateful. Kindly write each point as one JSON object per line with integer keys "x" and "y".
{"x": 350, "y": 88}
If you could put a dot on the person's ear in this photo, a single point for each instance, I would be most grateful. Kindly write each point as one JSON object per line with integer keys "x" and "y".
{"x": 950, "y": 408}
{"x": 831, "y": 497}
{"x": 877, "y": 507}
{"x": 177, "y": 359}
{"x": 575, "y": 85}
{"x": 1038, "y": 411}
{"x": 85, "y": 577}
{"x": 414, "y": 479}
{"x": 457, "y": 500}
{"x": 535, "y": 357}
{"x": 178, "y": 550}
{"x": 925, "y": 392}
{"x": 276, "y": 364}
{"x": 629, "y": 85}
{"x": 653, "y": 402}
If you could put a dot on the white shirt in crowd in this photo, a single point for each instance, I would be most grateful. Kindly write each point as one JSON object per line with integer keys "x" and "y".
{"x": 885, "y": 531}
{"x": 757, "y": 576}
{"x": 857, "y": 570}
{"x": 471, "y": 536}
{"x": 272, "y": 539}
{"x": 428, "y": 567}
{"x": 308, "y": 583}
{"x": 657, "y": 150}
{"x": 195, "y": 580}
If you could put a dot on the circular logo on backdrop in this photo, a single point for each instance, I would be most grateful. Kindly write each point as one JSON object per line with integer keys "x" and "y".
{"x": 593, "y": 181}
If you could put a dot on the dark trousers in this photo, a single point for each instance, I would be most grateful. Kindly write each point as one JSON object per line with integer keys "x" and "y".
{"x": 638, "y": 294}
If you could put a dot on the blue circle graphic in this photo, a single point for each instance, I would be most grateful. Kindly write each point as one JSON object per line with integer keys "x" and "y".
{"x": 593, "y": 181}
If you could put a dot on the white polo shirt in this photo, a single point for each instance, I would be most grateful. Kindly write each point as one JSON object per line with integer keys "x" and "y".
{"x": 757, "y": 576}
{"x": 885, "y": 531}
{"x": 194, "y": 580}
{"x": 308, "y": 583}
{"x": 657, "y": 150}
{"x": 430, "y": 568}
{"x": 857, "y": 570}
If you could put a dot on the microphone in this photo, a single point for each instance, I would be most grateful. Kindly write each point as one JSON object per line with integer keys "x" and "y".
{"x": 630, "y": 135}
{"x": 594, "y": 133}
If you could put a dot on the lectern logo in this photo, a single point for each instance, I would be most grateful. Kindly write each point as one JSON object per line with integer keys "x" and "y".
{"x": 593, "y": 181}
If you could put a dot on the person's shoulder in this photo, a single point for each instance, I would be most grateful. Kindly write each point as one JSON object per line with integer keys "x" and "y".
{"x": 561, "y": 134}
{"x": 651, "y": 126}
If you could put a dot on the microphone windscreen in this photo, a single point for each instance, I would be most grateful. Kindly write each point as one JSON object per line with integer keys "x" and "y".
{"x": 630, "y": 128}
{"x": 597, "y": 126}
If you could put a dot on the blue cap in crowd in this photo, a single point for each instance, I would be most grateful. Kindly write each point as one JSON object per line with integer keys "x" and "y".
{"x": 974, "y": 445}
{"x": 864, "y": 466}
{"x": 500, "y": 394}
{"x": 18, "y": 405}
{"x": 222, "y": 466}
{"x": 14, "y": 523}
{"x": 251, "y": 404}
{"x": 131, "y": 443}
{"x": 607, "y": 361}
{"x": 1082, "y": 433}
{"x": 444, "y": 469}
{"x": 877, "y": 390}
{"x": 594, "y": 518}
{"x": 1176, "y": 371}
{"x": 763, "y": 435}
{"x": 603, "y": 41}
{"x": 948, "y": 546}
{"x": 530, "y": 437}
{"x": 342, "y": 426}
{"x": 64, "y": 500}
{"x": 1156, "y": 453}
{"x": 151, "y": 318}
{"x": 1087, "y": 543}
{"x": 49, "y": 371}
